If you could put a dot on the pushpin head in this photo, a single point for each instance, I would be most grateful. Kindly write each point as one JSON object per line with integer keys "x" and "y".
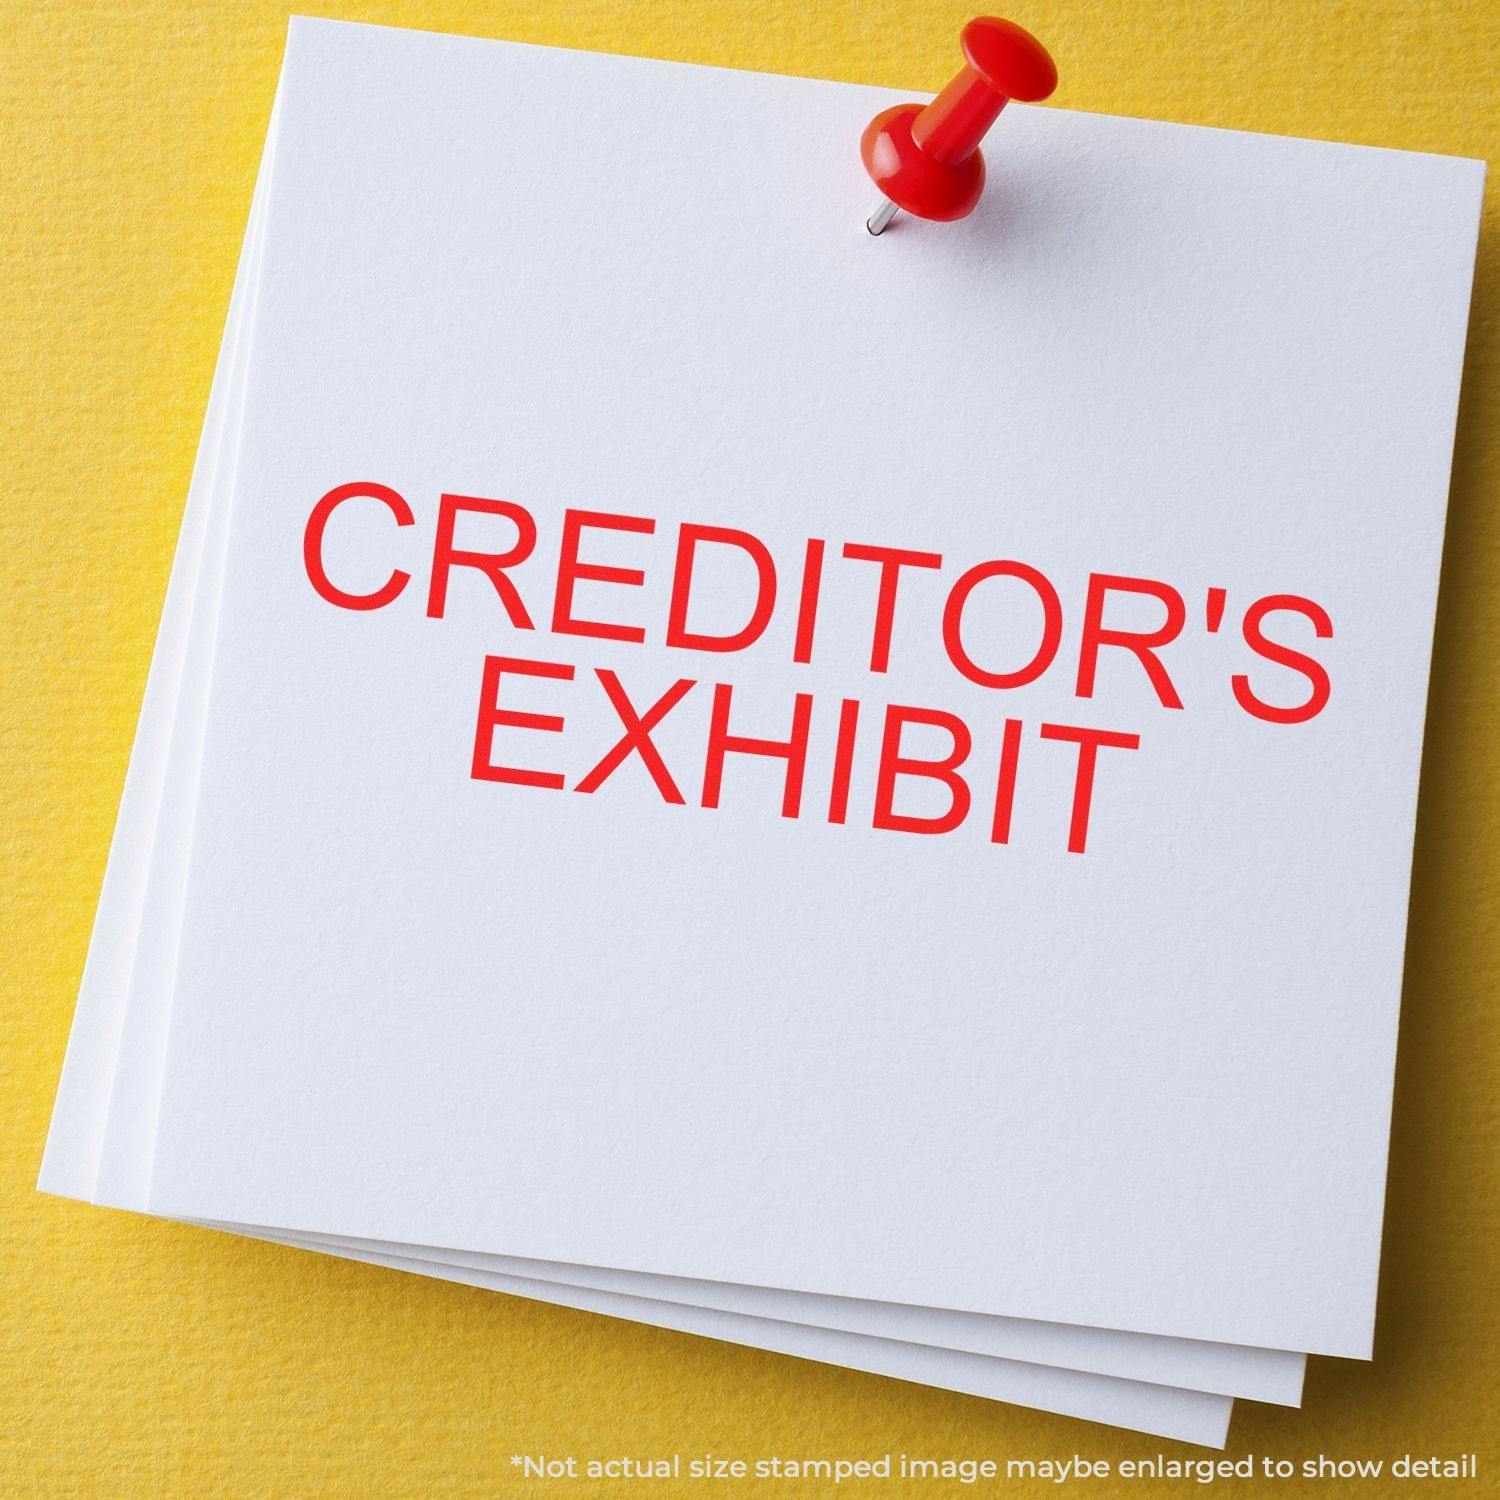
{"x": 926, "y": 159}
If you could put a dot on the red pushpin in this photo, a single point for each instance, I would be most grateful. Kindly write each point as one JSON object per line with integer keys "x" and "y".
{"x": 926, "y": 160}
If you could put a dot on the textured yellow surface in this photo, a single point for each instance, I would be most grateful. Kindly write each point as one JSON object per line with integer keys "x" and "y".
{"x": 145, "y": 1358}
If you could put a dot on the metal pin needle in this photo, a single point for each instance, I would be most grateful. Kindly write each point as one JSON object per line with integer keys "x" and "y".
{"x": 881, "y": 217}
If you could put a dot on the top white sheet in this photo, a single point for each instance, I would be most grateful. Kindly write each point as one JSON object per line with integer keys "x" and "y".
{"x": 1142, "y": 1086}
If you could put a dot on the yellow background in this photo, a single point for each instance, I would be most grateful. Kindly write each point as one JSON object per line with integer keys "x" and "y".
{"x": 146, "y": 1358}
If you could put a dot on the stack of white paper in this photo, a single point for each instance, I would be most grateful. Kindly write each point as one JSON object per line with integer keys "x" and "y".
{"x": 853, "y": 796}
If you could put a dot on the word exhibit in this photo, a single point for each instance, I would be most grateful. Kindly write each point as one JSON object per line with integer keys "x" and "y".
{"x": 947, "y": 771}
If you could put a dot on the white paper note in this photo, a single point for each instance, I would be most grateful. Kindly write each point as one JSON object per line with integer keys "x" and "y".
{"x": 1147, "y": 1084}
